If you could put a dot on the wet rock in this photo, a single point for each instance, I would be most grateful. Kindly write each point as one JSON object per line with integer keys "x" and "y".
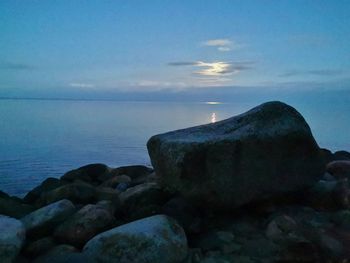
{"x": 12, "y": 235}
{"x": 77, "y": 192}
{"x": 47, "y": 185}
{"x": 90, "y": 173}
{"x": 83, "y": 225}
{"x": 263, "y": 153}
{"x": 38, "y": 247}
{"x": 14, "y": 207}
{"x": 339, "y": 169}
{"x": 42, "y": 221}
{"x": 154, "y": 239}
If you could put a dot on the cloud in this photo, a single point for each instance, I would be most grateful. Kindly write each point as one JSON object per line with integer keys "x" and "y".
{"x": 223, "y": 45}
{"x": 315, "y": 72}
{"x": 15, "y": 66}
{"x": 81, "y": 85}
{"x": 217, "y": 68}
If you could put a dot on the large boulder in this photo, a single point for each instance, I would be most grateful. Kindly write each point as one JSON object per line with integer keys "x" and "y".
{"x": 12, "y": 235}
{"x": 14, "y": 207}
{"x": 43, "y": 220}
{"x": 88, "y": 173}
{"x": 156, "y": 239}
{"x": 83, "y": 225}
{"x": 263, "y": 153}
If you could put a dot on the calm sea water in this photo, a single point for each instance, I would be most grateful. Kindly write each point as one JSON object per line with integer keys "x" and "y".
{"x": 45, "y": 138}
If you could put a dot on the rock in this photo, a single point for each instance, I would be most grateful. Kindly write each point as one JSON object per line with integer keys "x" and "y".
{"x": 142, "y": 200}
{"x": 89, "y": 173}
{"x": 219, "y": 240}
{"x": 115, "y": 180}
{"x": 156, "y": 239}
{"x": 12, "y": 235}
{"x": 342, "y": 219}
{"x": 339, "y": 169}
{"x": 263, "y": 153}
{"x": 106, "y": 193}
{"x": 43, "y": 220}
{"x": 147, "y": 178}
{"x": 341, "y": 155}
{"x": 77, "y": 192}
{"x": 133, "y": 171}
{"x": 188, "y": 216}
{"x": 47, "y": 185}
{"x": 38, "y": 247}
{"x": 14, "y": 207}
{"x": 281, "y": 227}
{"x": 61, "y": 254}
{"x": 122, "y": 187}
{"x": 83, "y": 225}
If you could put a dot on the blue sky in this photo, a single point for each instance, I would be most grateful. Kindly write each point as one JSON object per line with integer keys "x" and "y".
{"x": 63, "y": 48}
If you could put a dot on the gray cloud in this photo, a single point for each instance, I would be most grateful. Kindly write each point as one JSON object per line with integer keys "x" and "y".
{"x": 316, "y": 72}
{"x": 15, "y": 66}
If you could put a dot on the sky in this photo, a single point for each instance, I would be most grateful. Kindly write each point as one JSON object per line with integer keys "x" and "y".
{"x": 107, "y": 49}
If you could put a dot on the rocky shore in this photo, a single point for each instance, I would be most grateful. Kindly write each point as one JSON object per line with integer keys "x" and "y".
{"x": 252, "y": 188}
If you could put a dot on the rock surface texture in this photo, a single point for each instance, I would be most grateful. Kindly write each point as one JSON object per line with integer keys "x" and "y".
{"x": 265, "y": 152}
{"x": 12, "y": 235}
{"x": 156, "y": 239}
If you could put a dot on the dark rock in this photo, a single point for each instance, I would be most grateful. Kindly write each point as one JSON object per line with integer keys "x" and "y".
{"x": 281, "y": 228}
{"x": 342, "y": 218}
{"x": 156, "y": 239}
{"x": 42, "y": 221}
{"x": 14, "y": 207}
{"x": 12, "y": 235}
{"x": 115, "y": 180}
{"x": 77, "y": 192}
{"x": 188, "y": 216}
{"x": 341, "y": 155}
{"x": 339, "y": 169}
{"x": 88, "y": 173}
{"x": 147, "y": 178}
{"x": 61, "y": 254}
{"x": 142, "y": 200}
{"x": 106, "y": 193}
{"x": 47, "y": 185}
{"x": 38, "y": 247}
{"x": 133, "y": 171}
{"x": 219, "y": 240}
{"x": 3, "y": 194}
{"x": 83, "y": 225}
{"x": 263, "y": 153}
{"x": 122, "y": 187}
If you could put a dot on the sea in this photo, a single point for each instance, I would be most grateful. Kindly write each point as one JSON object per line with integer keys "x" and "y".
{"x": 42, "y": 138}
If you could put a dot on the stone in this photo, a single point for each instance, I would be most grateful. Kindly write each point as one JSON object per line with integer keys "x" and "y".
{"x": 84, "y": 225}
{"x": 61, "y": 254}
{"x": 266, "y": 152}
{"x": 188, "y": 216}
{"x": 88, "y": 173}
{"x": 14, "y": 207}
{"x": 106, "y": 193}
{"x": 281, "y": 227}
{"x": 38, "y": 247}
{"x": 156, "y": 239}
{"x": 342, "y": 218}
{"x": 142, "y": 200}
{"x": 339, "y": 169}
{"x": 341, "y": 155}
{"x": 12, "y": 236}
{"x": 77, "y": 192}
{"x": 115, "y": 180}
{"x": 219, "y": 240}
{"x": 47, "y": 185}
{"x": 133, "y": 171}
{"x": 43, "y": 220}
